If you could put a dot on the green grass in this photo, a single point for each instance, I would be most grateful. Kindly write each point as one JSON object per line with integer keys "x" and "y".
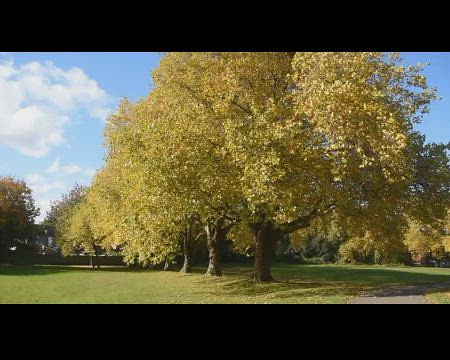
{"x": 296, "y": 284}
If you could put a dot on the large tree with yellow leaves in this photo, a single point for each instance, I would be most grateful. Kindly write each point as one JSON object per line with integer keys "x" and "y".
{"x": 266, "y": 144}
{"x": 305, "y": 135}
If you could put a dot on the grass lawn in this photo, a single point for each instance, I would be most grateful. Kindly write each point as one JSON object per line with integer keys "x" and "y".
{"x": 439, "y": 297}
{"x": 296, "y": 284}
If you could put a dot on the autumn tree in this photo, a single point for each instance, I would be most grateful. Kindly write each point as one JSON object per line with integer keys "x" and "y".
{"x": 134, "y": 212}
{"x": 429, "y": 191}
{"x": 60, "y": 216}
{"x": 258, "y": 146}
{"x": 79, "y": 235}
{"x": 193, "y": 163}
{"x": 104, "y": 202}
{"x": 429, "y": 200}
{"x": 309, "y": 135}
{"x": 426, "y": 243}
{"x": 178, "y": 181}
{"x": 58, "y": 207}
{"x": 17, "y": 213}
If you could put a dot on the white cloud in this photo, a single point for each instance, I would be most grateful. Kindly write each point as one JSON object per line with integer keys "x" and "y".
{"x": 6, "y": 68}
{"x": 71, "y": 169}
{"x": 58, "y": 180}
{"x": 44, "y": 206}
{"x": 90, "y": 172}
{"x": 54, "y": 167}
{"x": 40, "y": 185}
{"x": 37, "y": 100}
{"x": 44, "y": 191}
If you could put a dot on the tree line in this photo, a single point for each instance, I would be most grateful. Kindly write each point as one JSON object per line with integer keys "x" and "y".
{"x": 262, "y": 148}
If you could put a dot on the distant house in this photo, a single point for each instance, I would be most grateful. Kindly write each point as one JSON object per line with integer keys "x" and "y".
{"x": 46, "y": 239}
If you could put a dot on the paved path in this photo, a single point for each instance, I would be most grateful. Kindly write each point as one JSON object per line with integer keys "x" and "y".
{"x": 405, "y": 294}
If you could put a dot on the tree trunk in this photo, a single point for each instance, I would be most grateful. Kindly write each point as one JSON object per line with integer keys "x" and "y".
{"x": 166, "y": 265}
{"x": 215, "y": 234}
{"x": 187, "y": 247}
{"x": 264, "y": 239}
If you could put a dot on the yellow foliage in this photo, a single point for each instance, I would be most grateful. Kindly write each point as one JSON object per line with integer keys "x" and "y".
{"x": 261, "y": 137}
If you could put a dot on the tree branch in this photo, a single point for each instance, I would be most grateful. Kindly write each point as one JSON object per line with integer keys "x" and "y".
{"x": 234, "y": 102}
{"x": 304, "y": 221}
{"x": 201, "y": 233}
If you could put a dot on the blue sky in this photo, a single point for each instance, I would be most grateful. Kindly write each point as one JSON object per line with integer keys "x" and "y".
{"x": 436, "y": 125}
{"x": 53, "y": 106}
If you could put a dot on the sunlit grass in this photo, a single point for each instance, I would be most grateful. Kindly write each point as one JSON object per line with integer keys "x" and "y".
{"x": 295, "y": 284}
{"x": 439, "y": 297}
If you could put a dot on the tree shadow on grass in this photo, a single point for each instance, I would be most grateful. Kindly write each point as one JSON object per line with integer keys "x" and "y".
{"x": 367, "y": 276}
{"x": 284, "y": 290}
{"x": 22, "y": 270}
{"x": 295, "y": 283}
{"x": 32, "y": 270}
{"x": 312, "y": 283}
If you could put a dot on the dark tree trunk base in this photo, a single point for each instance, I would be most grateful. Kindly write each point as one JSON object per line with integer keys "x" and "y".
{"x": 186, "y": 269}
{"x": 187, "y": 248}
{"x": 166, "y": 266}
{"x": 187, "y": 265}
{"x": 215, "y": 235}
{"x": 265, "y": 236}
{"x": 259, "y": 278}
{"x": 213, "y": 272}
